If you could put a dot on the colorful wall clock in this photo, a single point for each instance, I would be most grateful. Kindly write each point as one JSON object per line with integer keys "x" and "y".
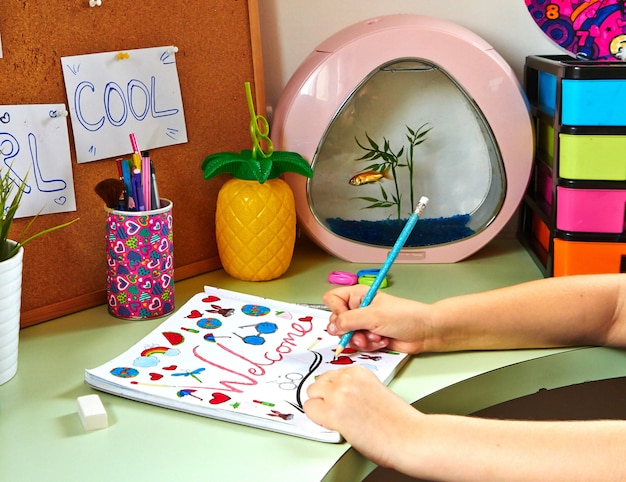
{"x": 589, "y": 29}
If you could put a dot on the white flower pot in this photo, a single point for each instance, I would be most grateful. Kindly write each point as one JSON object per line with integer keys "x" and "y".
{"x": 10, "y": 301}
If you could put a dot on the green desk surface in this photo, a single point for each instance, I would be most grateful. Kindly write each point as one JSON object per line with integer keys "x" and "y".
{"x": 41, "y": 436}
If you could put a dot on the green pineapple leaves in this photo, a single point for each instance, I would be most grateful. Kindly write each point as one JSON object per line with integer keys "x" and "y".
{"x": 255, "y": 164}
{"x": 241, "y": 166}
{"x": 245, "y": 166}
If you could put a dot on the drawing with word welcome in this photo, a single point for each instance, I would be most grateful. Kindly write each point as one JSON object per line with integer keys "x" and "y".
{"x": 238, "y": 358}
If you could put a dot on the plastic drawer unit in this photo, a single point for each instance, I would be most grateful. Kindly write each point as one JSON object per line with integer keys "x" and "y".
{"x": 572, "y": 216}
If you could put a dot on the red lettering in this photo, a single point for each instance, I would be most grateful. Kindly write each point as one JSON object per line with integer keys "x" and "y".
{"x": 272, "y": 360}
{"x": 257, "y": 370}
{"x": 226, "y": 383}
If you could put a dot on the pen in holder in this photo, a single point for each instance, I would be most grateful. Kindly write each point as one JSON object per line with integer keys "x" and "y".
{"x": 140, "y": 263}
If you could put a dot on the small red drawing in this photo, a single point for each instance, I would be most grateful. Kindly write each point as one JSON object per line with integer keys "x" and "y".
{"x": 342, "y": 360}
{"x": 155, "y": 376}
{"x": 210, "y": 299}
{"x": 218, "y": 398}
{"x": 221, "y": 311}
{"x": 194, "y": 314}
{"x": 284, "y": 416}
{"x": 365, "y": 356}
{"x": 170, "y": 368}
{"x": 173, "y": 337}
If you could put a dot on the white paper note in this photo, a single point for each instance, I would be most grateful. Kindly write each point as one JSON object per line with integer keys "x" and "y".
{"x": 34, "y": 145}
{"x": 113, "y": 94}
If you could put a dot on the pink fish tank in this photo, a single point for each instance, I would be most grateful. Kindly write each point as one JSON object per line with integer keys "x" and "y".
{"x": 399, "y": 107}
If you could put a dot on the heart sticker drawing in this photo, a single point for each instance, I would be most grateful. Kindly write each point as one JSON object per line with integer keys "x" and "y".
{"x": 218, "y": 398}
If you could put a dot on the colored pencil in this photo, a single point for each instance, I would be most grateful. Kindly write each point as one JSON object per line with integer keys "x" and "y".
{"x": 393, "y": 254}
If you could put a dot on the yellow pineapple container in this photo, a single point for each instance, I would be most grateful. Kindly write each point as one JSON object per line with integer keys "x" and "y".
{"x": 255, "y": 226}
{"x": 255, "y": 218}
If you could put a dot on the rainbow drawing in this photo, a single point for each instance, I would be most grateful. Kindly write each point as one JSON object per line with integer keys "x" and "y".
{"x": 155, "y": 350}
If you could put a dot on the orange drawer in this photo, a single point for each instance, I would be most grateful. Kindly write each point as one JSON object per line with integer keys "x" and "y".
{"x": 587, "y": 257}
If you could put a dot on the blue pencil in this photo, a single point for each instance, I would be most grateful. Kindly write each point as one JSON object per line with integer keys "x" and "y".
{"x": 393, "y": 254}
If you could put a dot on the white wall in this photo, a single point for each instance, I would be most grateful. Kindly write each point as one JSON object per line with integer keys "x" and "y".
{"x": 291, "y": 29}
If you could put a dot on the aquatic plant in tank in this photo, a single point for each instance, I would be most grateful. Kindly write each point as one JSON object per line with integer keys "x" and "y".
{"x": 387, "y": 164}
{"x": 408, "y": 131}
{"x": 395, "y": 166}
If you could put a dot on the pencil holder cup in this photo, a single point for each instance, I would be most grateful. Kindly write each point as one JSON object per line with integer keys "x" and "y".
{"x": 140, "y": 263}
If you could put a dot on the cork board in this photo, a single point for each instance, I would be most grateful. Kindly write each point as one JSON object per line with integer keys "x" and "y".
{"x": 218, "y": 45}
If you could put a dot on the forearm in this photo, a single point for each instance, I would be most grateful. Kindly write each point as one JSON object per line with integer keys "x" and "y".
{"x": 446, "y": 447}
{"x": 574, "y": 310}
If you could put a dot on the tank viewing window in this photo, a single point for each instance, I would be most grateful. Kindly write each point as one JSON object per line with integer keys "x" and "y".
{"x": 408, "y": 130}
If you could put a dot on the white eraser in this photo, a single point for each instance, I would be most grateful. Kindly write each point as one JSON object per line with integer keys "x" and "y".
{"x": 92, "y": 412}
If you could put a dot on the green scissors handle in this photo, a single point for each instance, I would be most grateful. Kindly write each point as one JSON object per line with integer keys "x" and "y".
{"x": 259, "y": 130}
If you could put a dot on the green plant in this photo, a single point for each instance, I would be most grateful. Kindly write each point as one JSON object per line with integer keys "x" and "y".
{"x": 390, "y": 160}
{"x": 9, "y": 204}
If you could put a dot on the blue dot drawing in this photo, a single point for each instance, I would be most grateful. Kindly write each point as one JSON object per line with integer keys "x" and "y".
{"x": 124, "y": 372}
{"x": 264, "y": 328}
{"x": 255, "y": 310}
{"x": 209, "y": 323}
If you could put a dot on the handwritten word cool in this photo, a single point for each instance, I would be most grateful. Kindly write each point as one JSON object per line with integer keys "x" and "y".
{"x": 118, "y": 103}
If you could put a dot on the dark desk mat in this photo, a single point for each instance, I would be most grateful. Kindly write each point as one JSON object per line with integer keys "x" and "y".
{"x": 601, "y": 399}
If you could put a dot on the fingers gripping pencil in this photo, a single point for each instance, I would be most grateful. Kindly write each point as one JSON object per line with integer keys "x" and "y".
{"x": 393, "y": 254}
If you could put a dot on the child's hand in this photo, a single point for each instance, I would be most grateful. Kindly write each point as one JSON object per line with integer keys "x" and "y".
{"x": 388, "y": 322}
{"x": 370, "y": 417}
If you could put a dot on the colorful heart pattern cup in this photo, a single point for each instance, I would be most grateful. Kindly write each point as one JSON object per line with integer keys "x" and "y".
{"x": 140, "y": 264}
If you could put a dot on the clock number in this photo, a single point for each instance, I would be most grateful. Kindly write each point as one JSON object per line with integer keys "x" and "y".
{"x": 552, "y": 11}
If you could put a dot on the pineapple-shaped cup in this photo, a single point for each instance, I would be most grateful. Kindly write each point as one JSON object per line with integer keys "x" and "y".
{"x": 255, "y": 218}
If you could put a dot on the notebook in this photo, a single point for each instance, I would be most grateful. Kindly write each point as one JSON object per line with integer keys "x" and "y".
{"x": 238, "y": 358}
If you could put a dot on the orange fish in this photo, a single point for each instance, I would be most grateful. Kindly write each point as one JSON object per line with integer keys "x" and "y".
{"x": 369, "y": 177}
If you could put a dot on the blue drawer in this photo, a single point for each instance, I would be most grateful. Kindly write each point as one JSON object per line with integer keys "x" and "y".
{"x": 599, "y": 102}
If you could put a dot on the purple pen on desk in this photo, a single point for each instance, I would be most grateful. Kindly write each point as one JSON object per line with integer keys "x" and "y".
{"x": 138, "y": 190}
{"x": 154, "y": 190}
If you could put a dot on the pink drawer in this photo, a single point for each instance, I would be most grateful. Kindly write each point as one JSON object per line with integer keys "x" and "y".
{"x": 590, "y": 210}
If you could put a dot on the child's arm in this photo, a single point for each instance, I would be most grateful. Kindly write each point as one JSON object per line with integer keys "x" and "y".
{"x": 388, "y": 431}
{"x": 570, "y": 310}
